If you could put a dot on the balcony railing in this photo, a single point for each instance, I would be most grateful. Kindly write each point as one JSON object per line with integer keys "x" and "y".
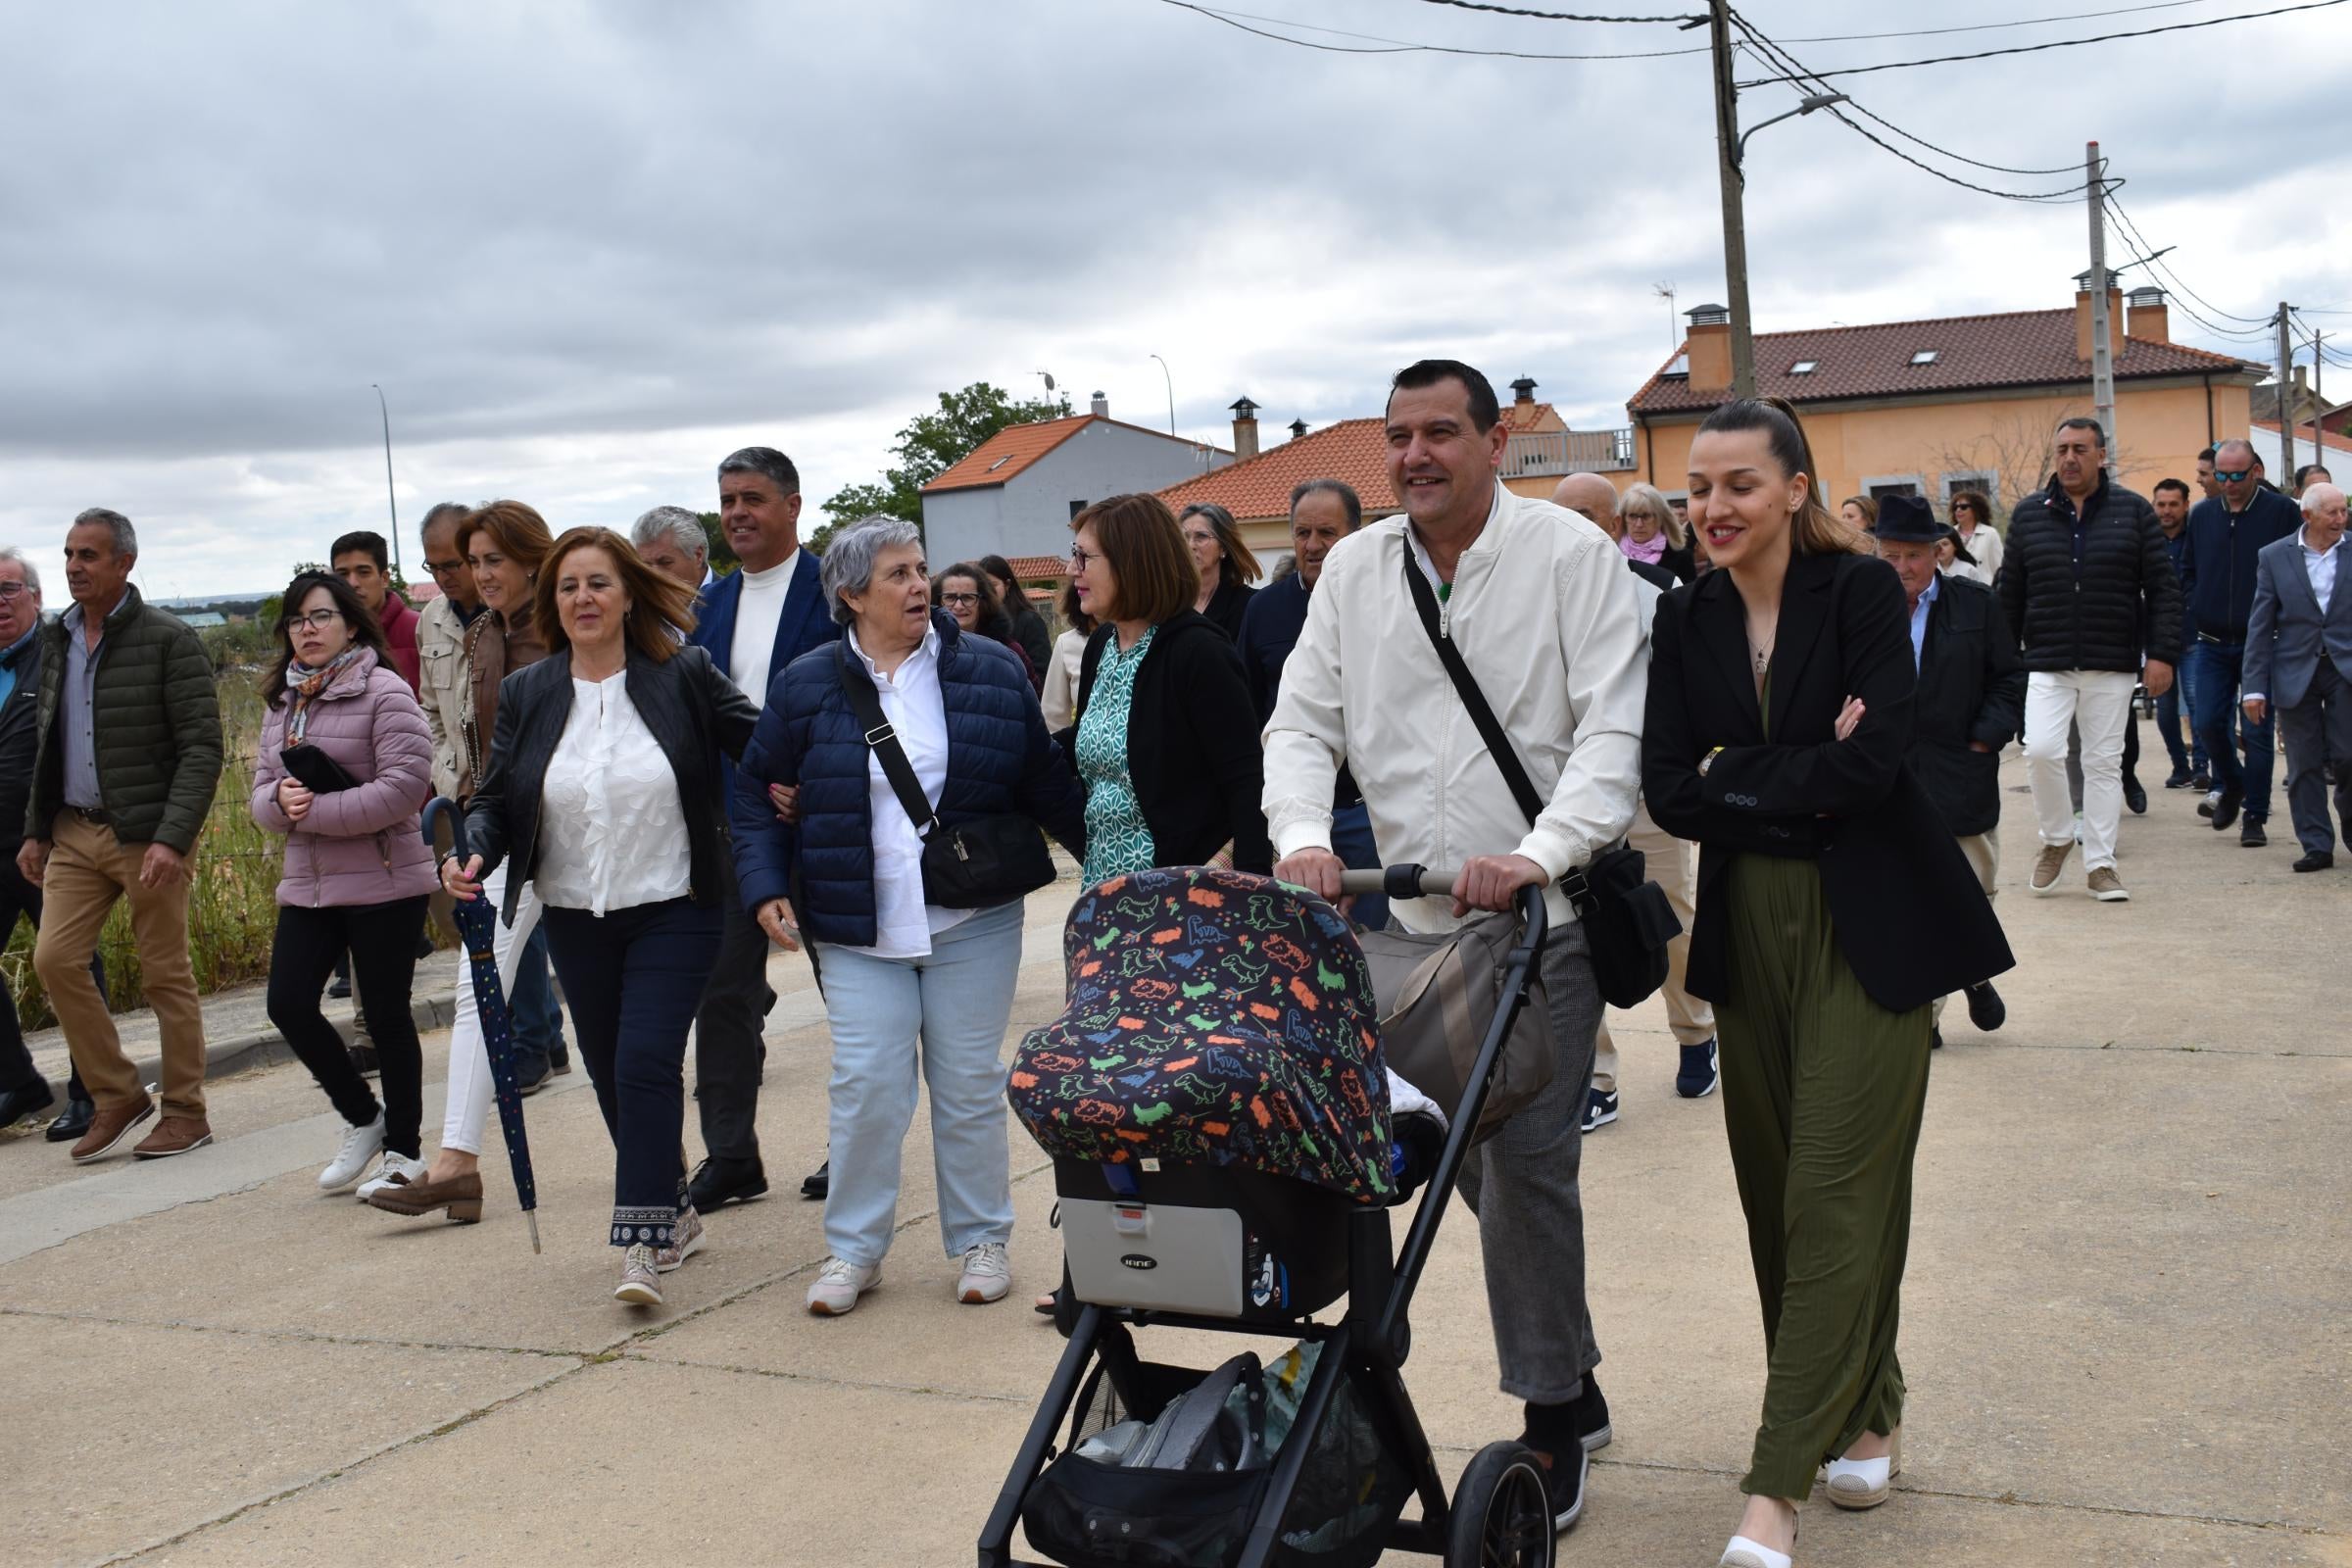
{"x": 1536, "y": 453}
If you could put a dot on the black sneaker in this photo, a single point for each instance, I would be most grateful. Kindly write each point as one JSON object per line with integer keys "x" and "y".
{"x": 365, "y": 1063}
{"x": 1701, "y": 1071}
{"x": 2179, "y": 779}
{"x": 2200, "y": 779}
{"x": 2250, "y": 835}
{"x": 2225, "y": 809}
{"x": 531, "y": 1075}
{"x": 1592, "y": 1414}
{"x": 1601, "y": 1108}
{"x": 1985, "y": 1009}
{"x": 2212, "y": 798}
{"x": 1564, "y": 1478}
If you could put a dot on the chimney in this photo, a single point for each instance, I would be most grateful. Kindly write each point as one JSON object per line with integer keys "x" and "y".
{"x": 1101, "y": 407}
{"x": 1245, "y": 429}
{"x": 2115, "y": 315}
{"x": 1298, "y": 429}
{"x": 1710, "y": 348}
{"x": 1523, "y": 391}
{"x": 2151, "y": 318}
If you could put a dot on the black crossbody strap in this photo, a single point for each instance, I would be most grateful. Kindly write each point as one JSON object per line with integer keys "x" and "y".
{"x": 1465, "y": 684}
{"x": 866, "y": 705}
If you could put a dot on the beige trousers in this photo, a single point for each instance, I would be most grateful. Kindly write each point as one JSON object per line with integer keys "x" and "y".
{"x": 89, "y": 868}
{"x": 1983, "y": 851}
{"x": 1691, "y": 1020}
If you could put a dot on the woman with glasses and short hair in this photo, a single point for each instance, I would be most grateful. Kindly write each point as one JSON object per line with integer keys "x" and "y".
{"x": 1650, "y": 529}
{"x": 1224, "y": 565}
{"x": 344, "y": 766}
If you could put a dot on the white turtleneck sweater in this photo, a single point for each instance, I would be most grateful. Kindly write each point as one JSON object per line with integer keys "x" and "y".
{"x": 757, "y": 615}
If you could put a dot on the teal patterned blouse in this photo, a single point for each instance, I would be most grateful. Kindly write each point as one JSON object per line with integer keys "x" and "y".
{"x": 1117, "y": 841}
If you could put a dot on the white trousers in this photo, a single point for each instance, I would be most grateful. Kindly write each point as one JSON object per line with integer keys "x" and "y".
{"x": 469, "y": 1086}
{"x": 2098, "y": 704}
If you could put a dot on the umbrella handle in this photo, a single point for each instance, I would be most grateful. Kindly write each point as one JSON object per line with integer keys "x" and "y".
{"x": 434, "y": 809}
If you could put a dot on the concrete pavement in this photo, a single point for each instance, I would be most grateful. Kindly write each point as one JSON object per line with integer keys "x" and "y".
{"x": 2125, "y": 1329}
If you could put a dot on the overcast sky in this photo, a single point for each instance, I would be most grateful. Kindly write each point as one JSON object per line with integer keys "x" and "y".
{"x": 586, "y": 250}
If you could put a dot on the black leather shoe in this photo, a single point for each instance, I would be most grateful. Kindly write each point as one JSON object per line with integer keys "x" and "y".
{"x": 18, "y": 1103}
{"x": 1985, "y": 1009}
{"x": 2225, "y": 809}
{"x": 817, "y": 1185}
{"x": 719, "y": 1182}
{"x": 2136, "y": 795}
{"x": 69, "y": 1128}
{"x": 2250, "y": 835}
{"x": 2316, "y": 861}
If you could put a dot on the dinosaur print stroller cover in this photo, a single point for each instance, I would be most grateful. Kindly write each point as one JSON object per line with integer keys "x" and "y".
{"x": 1213, "y": 1018}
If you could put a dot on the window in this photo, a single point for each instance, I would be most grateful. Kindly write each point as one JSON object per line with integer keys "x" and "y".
{"x": 999, "y": 462}
{"x": 1986, "y": 484}
{"x": 1076, "y": 507}
{"x": 1680, "y": 367}
{"x": 1924, "y": 356}
{"x": 1890, "y": 484}
{"x": 1804, "y": 368}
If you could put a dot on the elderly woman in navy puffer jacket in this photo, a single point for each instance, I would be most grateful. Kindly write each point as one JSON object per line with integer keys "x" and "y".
{"x": 358, "y": 871}
{"x": 900, "y": 973}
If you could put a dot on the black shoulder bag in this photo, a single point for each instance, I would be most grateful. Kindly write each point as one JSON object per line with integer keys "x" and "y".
{"x": 1626, "y": 917}
{"x": 990, "y": 861}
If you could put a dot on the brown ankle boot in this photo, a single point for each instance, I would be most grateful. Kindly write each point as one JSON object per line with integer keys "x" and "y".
{"x": 462, "y": 1196}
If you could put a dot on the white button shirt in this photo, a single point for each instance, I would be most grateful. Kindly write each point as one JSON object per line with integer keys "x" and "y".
{"x": 612, "y": 832}
{"x": 917, "y": 711}
{"x": 2319, "y": 567}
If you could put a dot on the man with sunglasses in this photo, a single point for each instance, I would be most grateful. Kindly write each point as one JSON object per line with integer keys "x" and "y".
{"x": 2217, "y": 581}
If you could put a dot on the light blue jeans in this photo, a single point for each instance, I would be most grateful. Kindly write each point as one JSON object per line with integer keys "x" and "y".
{"x": 952, "y": 1006}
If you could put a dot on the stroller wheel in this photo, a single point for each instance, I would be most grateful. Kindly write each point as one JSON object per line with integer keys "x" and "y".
{"x": 1502, "y": 1511}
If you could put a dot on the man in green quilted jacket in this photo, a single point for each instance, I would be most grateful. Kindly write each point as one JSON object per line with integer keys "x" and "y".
{"x": 129, "y": 756}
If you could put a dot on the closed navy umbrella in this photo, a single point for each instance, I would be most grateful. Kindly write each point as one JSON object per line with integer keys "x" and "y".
{"x": 477, "y": 925}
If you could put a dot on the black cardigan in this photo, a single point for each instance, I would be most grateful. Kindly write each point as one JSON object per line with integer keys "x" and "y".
{"x": 1910, "y": 918}
{"x": 695, "y": 713}
{"x": 1193, "y": 754}
{"x": 1228, "y": 604}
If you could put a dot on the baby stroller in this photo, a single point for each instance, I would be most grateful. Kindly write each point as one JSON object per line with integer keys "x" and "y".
{"x": 1219, "y": 1118}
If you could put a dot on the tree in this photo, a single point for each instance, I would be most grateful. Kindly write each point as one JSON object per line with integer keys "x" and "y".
{"x": 722, "y": 554}
{"x": 928, "y": 446}
{"x": 2014, "y": 453}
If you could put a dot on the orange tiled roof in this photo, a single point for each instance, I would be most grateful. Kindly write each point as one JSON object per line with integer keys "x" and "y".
{"x": 1009, "y": 451}
{"x": 2021, "y": 348}
{"x": 1353, "y": 451}
{"x": 1518, "y": 417}
{"x": 1039, "y": 569}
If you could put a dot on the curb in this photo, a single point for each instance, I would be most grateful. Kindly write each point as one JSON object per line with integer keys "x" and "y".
{"x": 266, "y": 1048}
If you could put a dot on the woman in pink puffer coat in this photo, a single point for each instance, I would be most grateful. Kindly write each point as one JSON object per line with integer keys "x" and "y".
{"x": 358, "y": 871}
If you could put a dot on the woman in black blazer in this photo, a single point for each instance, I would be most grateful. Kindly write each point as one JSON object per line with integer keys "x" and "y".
{"x": 1226, "y": 564}
{"x": 1832, "y": 908}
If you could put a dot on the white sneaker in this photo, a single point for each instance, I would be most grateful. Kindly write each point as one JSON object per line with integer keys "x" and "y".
{"x": 986, "y": 1275}
{"x": 838, "y": 1284}
{"x": 360, "y": 1146}
{"x": 394, "y": 1170}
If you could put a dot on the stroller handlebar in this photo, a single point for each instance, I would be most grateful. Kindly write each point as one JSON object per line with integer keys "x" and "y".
{"x": 1398, "y": 882}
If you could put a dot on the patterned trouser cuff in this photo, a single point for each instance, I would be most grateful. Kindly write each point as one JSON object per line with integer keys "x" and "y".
{"x": 644, "y": 1227}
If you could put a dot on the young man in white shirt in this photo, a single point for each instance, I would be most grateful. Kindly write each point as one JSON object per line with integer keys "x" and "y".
{"x": 1540, "y": 607}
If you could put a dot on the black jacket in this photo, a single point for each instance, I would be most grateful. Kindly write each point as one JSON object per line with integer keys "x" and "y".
{"x": 1972, "y": 687}
{"x": 20, "y": 740}
{"x": 1193, "y": 752}
{"x": 694, "y": 711}
{"x": 1029, "y": 630}
{"x": 1228, "y": 604}
{"x": 1909, "y": 915}
{"x": 2123, "y": 604}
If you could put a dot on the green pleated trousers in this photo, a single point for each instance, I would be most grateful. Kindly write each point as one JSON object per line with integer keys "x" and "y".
{"x": 1823, "y": 1093}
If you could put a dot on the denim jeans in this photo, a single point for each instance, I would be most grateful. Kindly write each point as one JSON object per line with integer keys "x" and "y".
{"x": 538, "y": 1021}
{"x": 634, "y": 976}
{"x": 1351, "y": 842}
{"x": 950, "y": 1011}
{"x": 2218, "y": 668}
{"x": 2178, "y": 702}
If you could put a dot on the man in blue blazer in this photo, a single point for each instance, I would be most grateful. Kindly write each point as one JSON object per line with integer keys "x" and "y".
{"x": 2299, "y": 663}
{"x": 754, "y": 621}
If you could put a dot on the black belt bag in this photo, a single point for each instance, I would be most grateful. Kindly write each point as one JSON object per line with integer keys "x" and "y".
{"x": 973, "y": 865}
{"x": 1626, "y": 917}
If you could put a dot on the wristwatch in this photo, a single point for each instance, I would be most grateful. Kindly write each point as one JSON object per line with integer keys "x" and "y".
{"x": 1708, "y": 760}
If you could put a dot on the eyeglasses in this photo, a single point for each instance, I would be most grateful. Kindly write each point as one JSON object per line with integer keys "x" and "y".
{"x": 442, "y": 568}
{"x": 9, "y": 590}
{"x": 316, "y": 619}
{"x": 2233, "y": 475}
{"x": 1080, "y": 560}
{"x": 958, "y": 599}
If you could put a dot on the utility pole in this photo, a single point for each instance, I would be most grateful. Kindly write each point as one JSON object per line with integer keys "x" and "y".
{"x": 1735, "y": 222}
{"x": 2102, "y": 341}
{"x": 390, "y": 500}
{"x": 2286, "y": 399}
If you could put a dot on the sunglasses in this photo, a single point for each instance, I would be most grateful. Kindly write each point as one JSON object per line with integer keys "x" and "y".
{"x": 2233, "y": 475}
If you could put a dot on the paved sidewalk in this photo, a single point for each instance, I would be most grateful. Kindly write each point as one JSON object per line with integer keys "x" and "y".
{"x": 2125, "y": 1332}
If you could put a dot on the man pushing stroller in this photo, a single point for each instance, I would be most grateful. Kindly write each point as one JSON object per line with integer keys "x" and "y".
{"x": 1536, "y": 604}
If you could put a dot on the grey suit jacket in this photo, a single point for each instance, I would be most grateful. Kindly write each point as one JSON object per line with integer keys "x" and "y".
{"x": 2287, "y": 636}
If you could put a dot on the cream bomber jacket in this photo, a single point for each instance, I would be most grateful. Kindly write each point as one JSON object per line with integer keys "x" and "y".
{"x": 1547, "y": 618}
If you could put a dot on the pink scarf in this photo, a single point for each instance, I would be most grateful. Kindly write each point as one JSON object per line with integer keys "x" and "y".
{"x": 1652, "y": 552}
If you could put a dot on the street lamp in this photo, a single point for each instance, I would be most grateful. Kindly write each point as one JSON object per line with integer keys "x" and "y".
{"x": 1171, "y": 381}
{"x": 389, "y": 499}
{"x": 1819, "y": 100}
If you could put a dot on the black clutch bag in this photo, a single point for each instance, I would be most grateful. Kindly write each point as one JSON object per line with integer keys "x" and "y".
{"x": 315, "y": 770}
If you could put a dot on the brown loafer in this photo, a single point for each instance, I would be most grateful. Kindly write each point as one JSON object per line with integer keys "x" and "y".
{"x": 174, "y": 1135}
{"x": 462, "y": 1196}
{"x": 109, "y": 1127}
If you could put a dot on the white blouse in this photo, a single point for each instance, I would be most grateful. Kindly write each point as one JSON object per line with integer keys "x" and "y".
{"x": 612, "y": 830}
{"x": 917, "y": 711}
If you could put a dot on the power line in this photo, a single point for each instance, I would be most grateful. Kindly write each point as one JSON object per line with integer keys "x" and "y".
{"x": 2125, "y": 219}
{"x": 1394, "y": 46}
{"x": 1997, "y": 26}
{"x": 1552, "y": 16}
{"x": 2059, "y": 44}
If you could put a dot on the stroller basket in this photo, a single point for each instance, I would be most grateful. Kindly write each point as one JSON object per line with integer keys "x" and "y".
{"x": 1218, "y": 1241}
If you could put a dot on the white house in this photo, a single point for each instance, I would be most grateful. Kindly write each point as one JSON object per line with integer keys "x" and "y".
{"x": 1017, "y": 491}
